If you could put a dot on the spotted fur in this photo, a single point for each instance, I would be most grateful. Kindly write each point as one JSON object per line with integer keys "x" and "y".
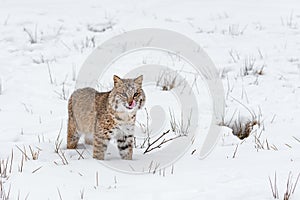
{"x": 102, "y": 116}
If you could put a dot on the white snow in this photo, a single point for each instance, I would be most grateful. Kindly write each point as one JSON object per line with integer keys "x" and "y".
{"x": 33, "y": 96}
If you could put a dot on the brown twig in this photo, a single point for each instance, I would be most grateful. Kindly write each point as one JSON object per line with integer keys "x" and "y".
{"x": 23, "y": 152}
{"x": 80, "y": 154}
{"x": 58, "y": 141}
{"x": 34, "y": 155}
{"x": 82, "y": 193}
{"x": 22, "y": 164}
{"x": 290, "y": 187}
{"x": 11, "y": 160}
{"x": 274, "y": 188}
{"x": 158, "y": 145}
{"x": 235, "y": 151}
{"x": 59, "y": 194}
{"x": 152, "y": 143}
{"x": 63, "y": 158}
{"x": 97, "y": 179}
{"x": 298, "y": 140}
{"x": 146, "y": 130}
{"x": 36, "y": 169}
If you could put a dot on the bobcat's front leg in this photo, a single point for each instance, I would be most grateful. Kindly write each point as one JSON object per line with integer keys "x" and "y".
{"x": 101, "y": 140}
{"x": 125, "y": 143}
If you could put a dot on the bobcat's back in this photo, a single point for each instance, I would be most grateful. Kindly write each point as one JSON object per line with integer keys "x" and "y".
{"x": 84, "y": 106}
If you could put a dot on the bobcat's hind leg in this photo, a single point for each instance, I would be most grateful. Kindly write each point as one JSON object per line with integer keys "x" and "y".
{"x": 73, "y": 136}
{"x": 88, "y": 139}
{"x": 101, "y": 140}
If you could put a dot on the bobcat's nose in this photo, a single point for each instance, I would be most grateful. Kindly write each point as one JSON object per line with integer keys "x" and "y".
{"x": 129, "y": 100}
{"x": 131, "y": 104}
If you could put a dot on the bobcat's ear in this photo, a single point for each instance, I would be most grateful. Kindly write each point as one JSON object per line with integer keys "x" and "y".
{"x": 117, "y": 80}
{"x": 139, "y": 80}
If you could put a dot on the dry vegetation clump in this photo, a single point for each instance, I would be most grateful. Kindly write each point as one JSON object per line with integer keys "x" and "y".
{"x": 242, "y": 127}
{"x": 168, "y": 81}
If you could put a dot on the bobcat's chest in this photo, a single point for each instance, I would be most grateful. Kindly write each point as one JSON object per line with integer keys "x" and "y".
{"x": 123, "y": 131}
{"x": 122, "y": 118}
{"x": 124, "y": 124}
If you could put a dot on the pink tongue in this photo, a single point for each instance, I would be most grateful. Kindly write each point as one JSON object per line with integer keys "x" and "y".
{"x": 132, "y": 104}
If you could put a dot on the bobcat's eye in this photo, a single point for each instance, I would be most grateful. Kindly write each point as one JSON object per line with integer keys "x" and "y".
{"x": 135, "y": 94}
{"x": 124, "y": 95}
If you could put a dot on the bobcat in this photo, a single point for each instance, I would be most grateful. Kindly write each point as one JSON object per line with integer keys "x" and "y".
{"x": 101, "y": 116}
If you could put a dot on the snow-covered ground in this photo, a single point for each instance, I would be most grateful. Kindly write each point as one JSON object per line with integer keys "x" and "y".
{"x": 36, "y": 79}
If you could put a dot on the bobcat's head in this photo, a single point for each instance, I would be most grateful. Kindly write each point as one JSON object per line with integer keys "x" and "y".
{"x": 127, "y": 94}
